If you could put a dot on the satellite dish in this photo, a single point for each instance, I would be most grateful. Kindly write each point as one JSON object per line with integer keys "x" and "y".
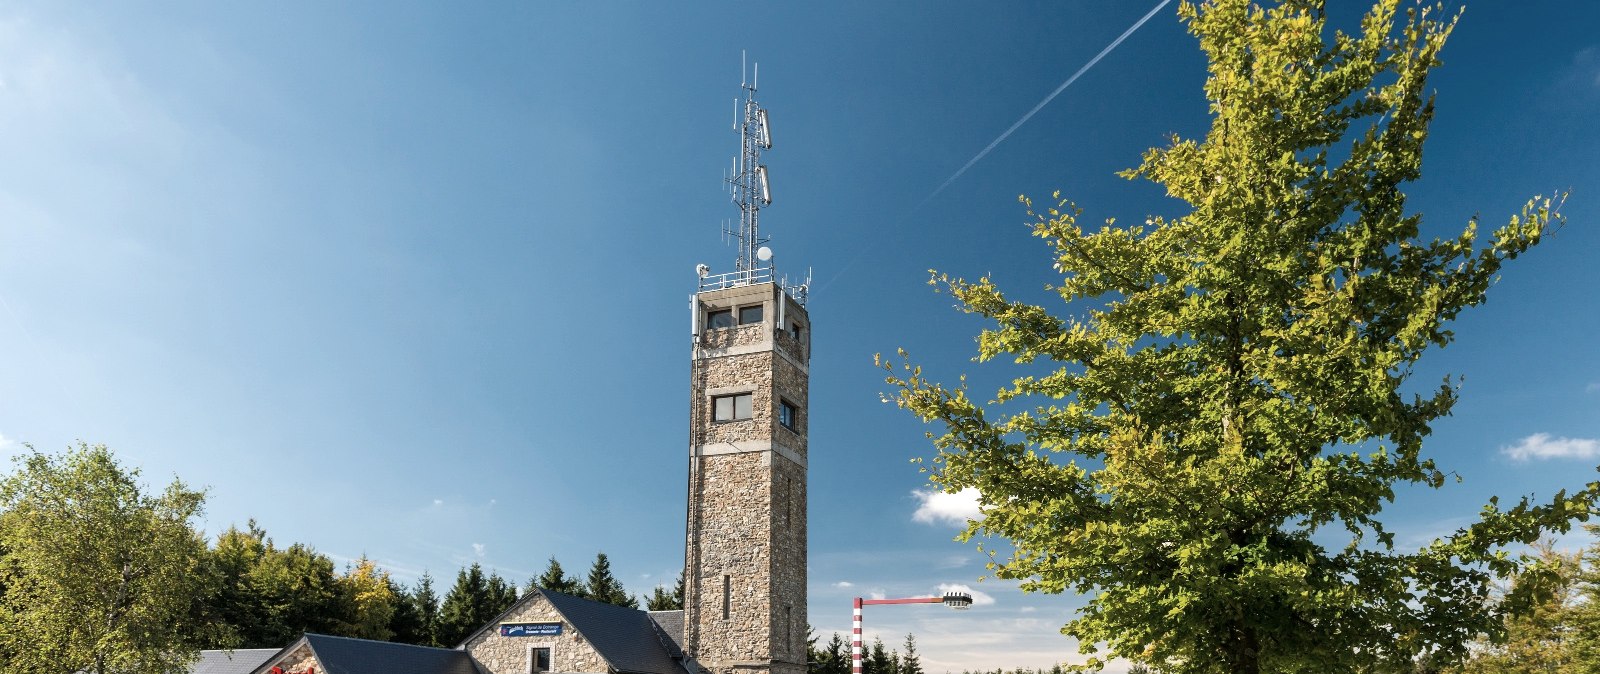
{"x": 702, "y": 270}
{"x": 764, "y": 253}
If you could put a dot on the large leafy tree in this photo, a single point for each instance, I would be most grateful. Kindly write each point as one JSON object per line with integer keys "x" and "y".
{"x": 1232, "y": 385}
{"x": 99, "y": 576}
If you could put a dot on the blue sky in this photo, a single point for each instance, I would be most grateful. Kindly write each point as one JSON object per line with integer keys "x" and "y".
{"x": 408, "y": 280}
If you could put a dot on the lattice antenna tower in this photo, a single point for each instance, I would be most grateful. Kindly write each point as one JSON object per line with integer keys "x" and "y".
{"x": 750, "y": 185}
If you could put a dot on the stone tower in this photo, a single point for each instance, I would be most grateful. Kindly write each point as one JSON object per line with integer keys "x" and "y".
{"x": 745, "y": 563}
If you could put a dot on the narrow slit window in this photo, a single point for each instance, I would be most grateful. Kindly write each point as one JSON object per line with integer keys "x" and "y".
{"x": 789, "y": 416}
{"x": 727, "y": 595}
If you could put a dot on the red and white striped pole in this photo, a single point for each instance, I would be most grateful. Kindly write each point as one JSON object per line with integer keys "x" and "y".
{"x": 855, "y": 639}
{"x": 955, "y": 600}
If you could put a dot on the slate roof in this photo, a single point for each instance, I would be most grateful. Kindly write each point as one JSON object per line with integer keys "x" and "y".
{"x": 626, "y": 637}
{"x": 237, "y": 661}
{"x": 344, "y": 655}
{"x": 631, "y": 641}
{"x": 671, "y": 624}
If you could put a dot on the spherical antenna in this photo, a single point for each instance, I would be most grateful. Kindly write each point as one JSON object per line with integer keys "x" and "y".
{"x": 764, "y": 253}
{"x": 702, "y": 269}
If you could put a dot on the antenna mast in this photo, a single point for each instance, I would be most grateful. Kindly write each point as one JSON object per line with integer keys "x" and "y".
{"x": 751, "y": 189}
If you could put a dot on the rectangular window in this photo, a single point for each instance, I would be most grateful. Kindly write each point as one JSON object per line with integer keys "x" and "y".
{"x": 750, "y": 314}
{"x": 794, "y": 331}
{"x": 538, "y": 660}
{"x": 731, "y": 408}
{"x": 719, "y": 319}
{"x": 789, "y": 416}
{"x": 727, "y": 595}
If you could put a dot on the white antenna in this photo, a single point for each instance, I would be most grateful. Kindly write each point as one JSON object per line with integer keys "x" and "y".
{"x": 751, "y": 190}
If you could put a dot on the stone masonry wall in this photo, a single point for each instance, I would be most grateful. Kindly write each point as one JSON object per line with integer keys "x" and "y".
{"x": 735, "y": 519}
{"x": 298, "y": 660}
{"x": 752, "y": 372}
{"x": 747, "y": 504}
{"x": 569, "y": 651}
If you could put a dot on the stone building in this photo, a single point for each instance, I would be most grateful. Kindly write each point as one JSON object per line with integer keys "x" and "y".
{"x": 745, "y": 543}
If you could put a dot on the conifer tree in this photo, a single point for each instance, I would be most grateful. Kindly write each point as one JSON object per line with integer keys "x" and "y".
{"x": 604, "y": 587}
{"x": 502, "y": 594}
{"x": 557, "y": 580}
{"x": 427, "y": 608}
{"x": 1231, "y": 385}
{"x": 911, "y": 663}
{"x": 465, "y": 607}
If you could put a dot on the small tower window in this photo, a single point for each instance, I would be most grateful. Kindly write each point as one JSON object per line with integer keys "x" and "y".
{"x": 719, "y": 319}
{"x": 789, "y": 416}
{"x": 794, "y": 330}
{"x": 731, "y": 408}
{"x": 538, "y": 660}
{"x": 750, "y": 314}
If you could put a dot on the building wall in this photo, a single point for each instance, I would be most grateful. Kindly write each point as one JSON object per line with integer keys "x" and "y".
{"x": 569, "y": 651}
{"x": 297, "y": 660}
{"x": 745, "y": 582}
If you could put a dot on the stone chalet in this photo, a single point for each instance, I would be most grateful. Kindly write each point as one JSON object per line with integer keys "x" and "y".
{"x": 544, "y": 631}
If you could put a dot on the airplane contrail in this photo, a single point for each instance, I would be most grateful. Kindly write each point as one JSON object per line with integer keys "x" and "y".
{"x": 976, "y": 158}
{"x": 1136, "y": 25}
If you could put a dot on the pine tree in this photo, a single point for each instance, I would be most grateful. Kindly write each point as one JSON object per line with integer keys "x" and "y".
{"x": 911, "y": 663}
{"x": 465, "y": 608}
{"x": 427, "y": 608}
{"x": 556, "y": 580}
{"x": 502, "y": 594}
{"x": 604, "y": 587}
{"x": 661, "y": 600}
{"x": 877, "y": 660}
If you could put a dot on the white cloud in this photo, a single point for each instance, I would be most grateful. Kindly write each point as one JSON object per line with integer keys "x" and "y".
{"x": 844, "y": 583}
{"x": 438, "y": 501}
{"x": 978, "y": 598}
{"x": 937, "y": 506}
{"x": 1543, "y": 446}
{"x": 477, "y": 549}
{"x": 1027, "y": 609}
{"x": 1593, "y": 387}
{"x": 5, "y": 441}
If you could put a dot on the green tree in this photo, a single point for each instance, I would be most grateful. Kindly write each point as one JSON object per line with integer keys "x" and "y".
{"x": 99, "y": 576}
{"x": 502, "y": 594}
{"x": 604, "y": 587}
{"x": 236, "y": 601}
{"x": 911, "y": 663}
{"x": 368, "y": 601}
{"x": 466, "y": 606}
{"x": 1232, "y": 384}
{"x": 556, "y": 579}
{"x": 416, "y": 619}
{"x": 833, "y": 658}
{"x": 876, "y": 659}
{"x": 662, "y": 600}
{"x": 299, "y": 593}
{"x": 1549, "y": 637}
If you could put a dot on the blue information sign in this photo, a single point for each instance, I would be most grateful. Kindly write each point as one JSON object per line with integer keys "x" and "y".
{"x": 530, "y": 629}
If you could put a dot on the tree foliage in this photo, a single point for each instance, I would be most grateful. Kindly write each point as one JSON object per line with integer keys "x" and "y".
{"x": 555, "y": 578}
{"x": 602, "y": 586}
{"x": 98, "y": 575}
{"x": 1233, "y": 384}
